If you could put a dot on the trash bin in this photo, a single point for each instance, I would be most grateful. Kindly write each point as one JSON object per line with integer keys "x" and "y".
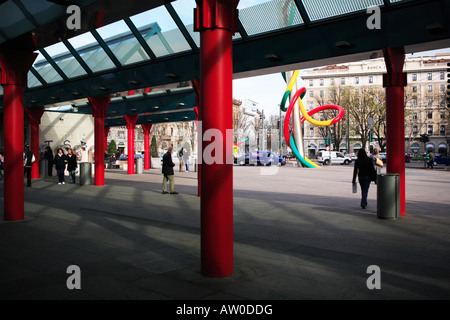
{"x": 43, "y": 168}
{"x": 388, "y": 196}
{"x": 139, "y": 166}
{"x": 85, "y": 173}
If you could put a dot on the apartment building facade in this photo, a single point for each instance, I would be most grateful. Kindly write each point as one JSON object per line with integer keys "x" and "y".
{"x": 425, "y": 100}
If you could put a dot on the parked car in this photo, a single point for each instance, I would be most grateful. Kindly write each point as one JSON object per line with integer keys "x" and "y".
{"x": 441, "y": 159}
{"x": 383, "y": 157}
{"x": 407, "y": 158}
{"x": 136, "y": 156}
{"x": 260, "y": 158}
{"x": 326, "y": 157}
{"x": 288, "y": 156}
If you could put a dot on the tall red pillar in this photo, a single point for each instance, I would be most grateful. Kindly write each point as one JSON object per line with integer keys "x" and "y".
{"x": 99, "y": 105}
{"x": 14, "y": 67}
{"x": 395, "y": 82}
{"x": 146, "y": 128}
{"x": 217, "y": 22}
{"x": 34, "y": 118}
{"x": 131, "y": 125}
{"x": 106, "y": 132}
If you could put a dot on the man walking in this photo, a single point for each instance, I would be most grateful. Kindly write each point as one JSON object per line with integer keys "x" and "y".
{"x": 28, "y": 159}
{"x": 167, "y": 170}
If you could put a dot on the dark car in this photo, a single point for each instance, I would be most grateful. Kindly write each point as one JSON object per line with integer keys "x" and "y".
{"x": 407, "y": 158}
{"x": 383, "y": 157}
{"x": 260, "y": 158}
{"x": 136, "y": 156}
{"x": 441, "y": 159}
{"x": 288, "y": 156}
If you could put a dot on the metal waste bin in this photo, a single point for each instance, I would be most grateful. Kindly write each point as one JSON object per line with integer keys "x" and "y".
{"x": 388, "y": 196}
{"x": 43, "y": 168}
{"x": 139, "y": 166}
{"x": 85, "y": 173}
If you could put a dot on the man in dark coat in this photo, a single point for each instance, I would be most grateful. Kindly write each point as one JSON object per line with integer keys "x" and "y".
{"x": 49, "y": 157}
{"x": 167, "y": 170}
{"x": 28, "y": 159}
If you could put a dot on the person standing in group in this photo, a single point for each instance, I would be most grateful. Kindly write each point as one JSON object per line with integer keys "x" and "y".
{"x": 365, "y": 171}
{"x": 60, "y": 164}
{"x": 376, "y": 161}
{"x": 71, "y": 165}
{"x": 49, "y": 156}
{"x": 167, "y": 170}
{"x": 2, "y": 164}
{"x": 28, "y": 159}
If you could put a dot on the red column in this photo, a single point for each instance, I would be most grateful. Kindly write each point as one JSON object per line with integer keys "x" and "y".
{"x": 395, "y": 82}
{"x": 131, "y": 125}
{"x": 106, "y": 130}
{"x": 146, "y": 128}
{"x": 34, "y": 118}
{"x": 217, "y": 21}
{"x": 99, "y": 105}
{"x": 14, "y": 66}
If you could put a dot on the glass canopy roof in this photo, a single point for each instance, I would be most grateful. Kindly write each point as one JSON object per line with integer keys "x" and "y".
{"x": 168, "y": 30}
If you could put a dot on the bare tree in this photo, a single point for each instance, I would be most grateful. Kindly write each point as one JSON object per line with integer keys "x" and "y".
{"x": 337, "y": 130}
{"x": 361, "y": 105}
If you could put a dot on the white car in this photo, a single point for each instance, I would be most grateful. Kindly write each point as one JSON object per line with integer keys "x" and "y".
{"x": 330, "y": 157}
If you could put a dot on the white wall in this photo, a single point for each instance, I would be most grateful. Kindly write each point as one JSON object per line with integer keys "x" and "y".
{"x": 59, "y": 127}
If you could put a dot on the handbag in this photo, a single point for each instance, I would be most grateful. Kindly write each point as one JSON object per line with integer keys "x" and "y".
{"x": 372, "y": 172}
{"x": 379, "y": 162}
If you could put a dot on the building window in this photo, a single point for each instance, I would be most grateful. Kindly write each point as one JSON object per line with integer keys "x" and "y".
{"x": 442, "y": 76}
{"x": 414, "y": 88}
{"x": 430, "y": 76}
{"x": 430, "y": 130}
{"x": 311, "y": 132}
{"x": 121, "y": 134}
{"x": 321, "y": 82}
{"x": 442, "y": 88}
{"x": 442, "y": 115}
{"x": 370, "y": 79}
{"x": 430, "y": 102}
{"x": 332, "y": 81}
{"x": 343, "y": 81}
{"x": 414, "y": 102}
{"x": 415, "y": 130}
{"x": 322, "y": 93}
{"x": 430, "y": 88}
{"x": 414, "y": 77}
{"x": 415, "y": 116}
{"x": 430, "y": 115}
{"x": 311, "y": 105}
{"x": 311, "y": 94}
{"x": 356, "y": 80}
{"x": 311, "y": 83}
{"x": 442, "y": 130}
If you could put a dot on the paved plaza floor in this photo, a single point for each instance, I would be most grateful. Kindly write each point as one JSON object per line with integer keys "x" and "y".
{"x": 298, "y": 234}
